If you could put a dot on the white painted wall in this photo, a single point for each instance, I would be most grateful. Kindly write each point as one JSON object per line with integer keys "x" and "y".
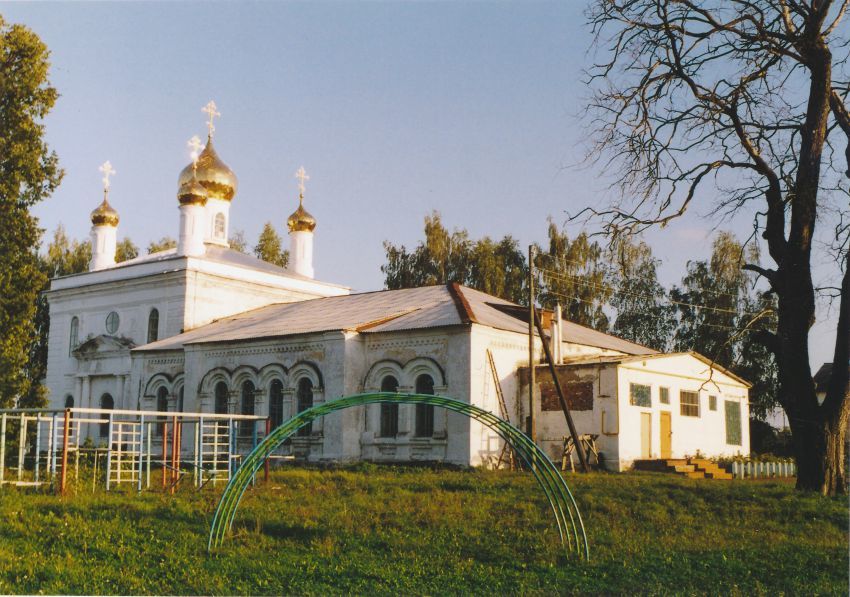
{"x": 706, "y": 433}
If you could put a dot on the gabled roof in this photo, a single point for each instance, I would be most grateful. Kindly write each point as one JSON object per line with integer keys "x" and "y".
{"x": 618, "y": 359}
{"x": 382, "y": 311}
{"x": 389, "y": 310}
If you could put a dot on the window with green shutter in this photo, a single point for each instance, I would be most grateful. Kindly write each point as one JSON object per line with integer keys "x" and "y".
{"x": 712, "y": 403}
{"x": 664, "y": 395}
{"x": 733, "y": 423}
{"x": 640, "y": 395}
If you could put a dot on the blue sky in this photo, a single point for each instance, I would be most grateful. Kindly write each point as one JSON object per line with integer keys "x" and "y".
{"x": 394, "y": 109}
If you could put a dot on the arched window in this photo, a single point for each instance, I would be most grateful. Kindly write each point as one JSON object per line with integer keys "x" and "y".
{"x": 69, "y": 401}
{"x": 221, "y": 398}
{"x": 424, "y": 412}
{"x": 305, "y": 401}
{"x": 161, "y": 406}
{"x": 389, "y": 411}
{"x": 75, "y": 334}
{"x": 106, "y": 403}
{"x": 246, "y": 427}
{"x": 276, "y": 403}
{"x": 218, "y": 227}
{"x": 153, "y": 326}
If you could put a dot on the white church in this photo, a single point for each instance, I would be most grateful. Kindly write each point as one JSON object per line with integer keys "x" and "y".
{"x": 204, "y": 328}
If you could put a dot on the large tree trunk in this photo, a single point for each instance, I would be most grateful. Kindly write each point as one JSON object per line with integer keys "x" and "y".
{"x": 819, "y": 448}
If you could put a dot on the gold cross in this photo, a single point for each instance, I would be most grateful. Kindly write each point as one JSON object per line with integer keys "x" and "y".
{"x": 301, "y": 175}
{"x": 212, "y": 111}
{"x": 107, "y": 170}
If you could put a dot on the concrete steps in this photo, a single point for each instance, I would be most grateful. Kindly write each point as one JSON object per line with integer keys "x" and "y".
{"x": 692, "y": 468}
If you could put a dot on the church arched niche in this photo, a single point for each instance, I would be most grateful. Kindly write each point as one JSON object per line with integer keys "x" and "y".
{"x": 303, "y": 369}
{"x": 377, "y": 372}
{"x": 242, "y": 374}
{"x": 69, "y": 401}
{"x": 177, "y": 393}
{"x": 155, "y": 383}
{"x": 424, "y": 365}
{"x": 271, "y": 372}
{"x": 247, "y": 391}
{"x": 221, "y": 398}
{"x": 304, "y": 399}
{"x": 211, "y": 379}
{"x": 106, "y": 403}
{"x": 160, "y": 406}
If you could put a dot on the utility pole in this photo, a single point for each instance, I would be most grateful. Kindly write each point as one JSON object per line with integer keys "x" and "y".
{"x": 531, "y": 425}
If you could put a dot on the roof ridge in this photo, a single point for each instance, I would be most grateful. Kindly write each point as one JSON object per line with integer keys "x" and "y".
{"x": 464, "y": 309}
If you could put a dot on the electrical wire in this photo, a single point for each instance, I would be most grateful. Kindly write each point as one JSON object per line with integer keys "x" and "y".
{"x": 580, "y": 280}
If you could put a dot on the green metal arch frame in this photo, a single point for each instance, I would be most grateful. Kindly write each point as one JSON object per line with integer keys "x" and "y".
{"x": 567, "y": 517}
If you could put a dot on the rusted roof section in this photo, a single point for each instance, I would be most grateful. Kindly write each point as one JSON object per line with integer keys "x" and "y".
{"x": 463, "y": 308}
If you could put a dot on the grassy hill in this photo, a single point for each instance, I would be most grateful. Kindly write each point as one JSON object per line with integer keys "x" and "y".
{"x": 400, "y": 530}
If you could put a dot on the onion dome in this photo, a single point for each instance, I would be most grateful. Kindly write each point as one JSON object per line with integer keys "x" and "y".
{"x": 104, "y": 215}
{"x": 215, "y": 176}
{"x": 301, "y": 220}
{"x": 192, "y": 193}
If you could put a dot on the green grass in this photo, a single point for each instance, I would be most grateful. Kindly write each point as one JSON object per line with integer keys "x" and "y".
{"x": 397, "y": 530}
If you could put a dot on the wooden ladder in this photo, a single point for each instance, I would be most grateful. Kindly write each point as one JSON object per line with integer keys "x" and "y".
{"x": 503, "y": 408}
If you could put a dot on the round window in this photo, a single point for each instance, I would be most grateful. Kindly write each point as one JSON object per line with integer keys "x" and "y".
{"x": 112, "y": 322}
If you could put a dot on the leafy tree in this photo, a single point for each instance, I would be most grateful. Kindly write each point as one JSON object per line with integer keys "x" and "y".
{"x": 720, "y": 314}
{"x": 574, "y": 273}
{"x": 237, "y": 241}
{"x": 125, "y": 250}
{"x": 747, "y": 98}
{"x": 29, "y": 173}
{"x": 498, "y": 268}
{"x": 643, "y": 313}
{"x": 163, "y": 244}
{"x": 269, "y": 247}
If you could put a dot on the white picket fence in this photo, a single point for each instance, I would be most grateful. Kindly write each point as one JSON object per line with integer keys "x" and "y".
{"x": 757, "y": 470}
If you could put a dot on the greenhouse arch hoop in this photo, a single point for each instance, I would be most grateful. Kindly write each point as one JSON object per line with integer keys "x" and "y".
{"x": 564, "y": 509}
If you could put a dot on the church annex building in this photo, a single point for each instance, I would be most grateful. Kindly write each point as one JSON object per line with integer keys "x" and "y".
{"x": 204, "y": 328}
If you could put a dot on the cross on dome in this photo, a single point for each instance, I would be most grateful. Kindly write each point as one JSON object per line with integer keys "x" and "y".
{"x": 212, "y": 110}
{"x": 107, "y": 170}
{"x": 301, "y": 175}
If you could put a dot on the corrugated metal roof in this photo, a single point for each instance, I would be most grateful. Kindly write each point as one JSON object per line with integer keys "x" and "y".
{"x": 382, "y": 311}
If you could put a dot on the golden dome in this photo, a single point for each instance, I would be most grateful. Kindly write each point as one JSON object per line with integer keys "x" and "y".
{"x": 192, "y": 193}
{"x": 104, "y": 215}
{"x": 216, "y": 177}
{"x": 301, "y": 220}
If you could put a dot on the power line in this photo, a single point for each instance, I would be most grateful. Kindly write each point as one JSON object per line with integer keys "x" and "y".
{"x": 560, "y": 260}
{"x": 580, "y": 280}
{"x": 712, "y": 325}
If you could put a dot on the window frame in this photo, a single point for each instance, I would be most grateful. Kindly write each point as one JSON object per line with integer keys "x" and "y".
{"x": 74, "y": 335}
{"x": 117, "y": 320}
{"x": 664, "y": 391}
{"x": 388, "y": 422}
{"x": 219, "y": 232}
{"x": 304, "y": 402}
{"x": 632, "y": 387}
{"x": 712, "y": 402}
{"x": 153, "y": 325}
{"x": 424, "y": 423}
{"x": 683, "y": 406}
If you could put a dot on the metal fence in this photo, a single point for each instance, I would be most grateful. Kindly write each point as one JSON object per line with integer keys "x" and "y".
{"x": 44, "y": 448}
